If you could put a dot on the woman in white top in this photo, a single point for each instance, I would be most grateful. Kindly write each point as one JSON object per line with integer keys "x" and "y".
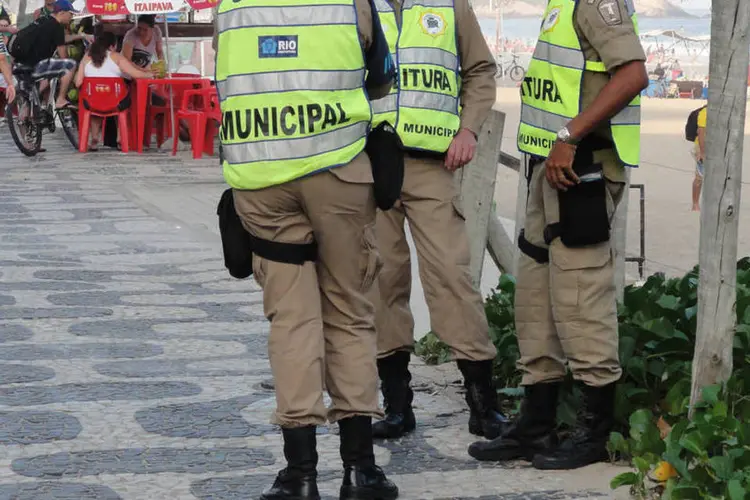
{"x": 102, "y": 61}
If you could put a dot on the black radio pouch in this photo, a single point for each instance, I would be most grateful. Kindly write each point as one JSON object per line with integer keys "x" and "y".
{"x": 386, "y": 154}
{"x": 239, "y": 245}
{"x": 583, "y": 208}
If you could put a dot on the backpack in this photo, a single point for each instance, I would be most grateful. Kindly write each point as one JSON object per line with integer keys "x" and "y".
{"x": 19, "y": 45}
{"x": 691, "y": 127}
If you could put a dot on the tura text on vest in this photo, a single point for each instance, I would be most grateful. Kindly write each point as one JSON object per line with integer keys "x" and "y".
{"x": 437, "y": 79}
{"x": 276, "y": 121}
{"x": 540, "y": 89}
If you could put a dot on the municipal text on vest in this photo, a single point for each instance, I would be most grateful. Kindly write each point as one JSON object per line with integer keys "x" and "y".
{"x": 281, "y": 121}
{"x": 534, "y": 141}
{"x": 418, "y": 128}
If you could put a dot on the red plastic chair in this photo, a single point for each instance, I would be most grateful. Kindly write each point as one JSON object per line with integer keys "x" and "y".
{"x": 102, "y": 97}
{"x": 178, "y": 89}
{"x": 200, "y": 116}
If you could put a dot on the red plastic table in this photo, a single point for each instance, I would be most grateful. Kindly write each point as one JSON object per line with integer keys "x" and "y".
{"x": 140, "y": 101}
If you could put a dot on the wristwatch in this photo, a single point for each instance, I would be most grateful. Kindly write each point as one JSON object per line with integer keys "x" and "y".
{"x": 563, "y": 135}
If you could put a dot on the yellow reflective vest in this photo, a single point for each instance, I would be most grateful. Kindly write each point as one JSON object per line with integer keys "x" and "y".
{"x": 551, "y": 90}
{"x": 291, "y": 92}
{"x": 424, "y": 109}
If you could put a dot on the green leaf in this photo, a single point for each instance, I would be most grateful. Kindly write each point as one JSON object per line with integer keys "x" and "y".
{"x": 617, "y": 443}
{"x": 669, "y": 302}
{"x": 513, "y": 392}
{"x": 691, "y": 312}
{"x": 711, "y": 394}
{"x": 641, "y": 464}
{"x": 735, "y": 490}
{"x": 624, "y": 479}
{"x": 693, "y": 443}
{"x": 723, "y": 466}
{"x": 640, "y": 421}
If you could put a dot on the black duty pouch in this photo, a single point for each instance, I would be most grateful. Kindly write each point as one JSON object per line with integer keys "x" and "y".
{"x": 386, "y": 154}
{"x": 239, "y": 245}
{"x": 235, "y": 240}
{"x": 583, "y": 208}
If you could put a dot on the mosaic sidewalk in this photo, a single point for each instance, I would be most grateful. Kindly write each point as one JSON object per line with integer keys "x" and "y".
{"x": 133, "y": 367}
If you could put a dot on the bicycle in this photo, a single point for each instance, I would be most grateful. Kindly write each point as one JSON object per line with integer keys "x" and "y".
{"x": 516, "y": 72}
{"x": 27, "y": 116}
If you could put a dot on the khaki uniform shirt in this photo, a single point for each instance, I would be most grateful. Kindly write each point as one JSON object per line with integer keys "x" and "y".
{"x": 607, "y": 34}
{"x": 478, "y": 92}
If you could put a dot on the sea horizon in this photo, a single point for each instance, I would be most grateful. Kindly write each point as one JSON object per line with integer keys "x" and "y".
{"x": 528, "y": 27}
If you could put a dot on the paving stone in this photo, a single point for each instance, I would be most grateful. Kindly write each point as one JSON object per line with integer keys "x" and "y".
{"x": 27, "y": 352}
{"x": 14, "y": 333}
{"x": 215, "y": 419}
{"x": 49, "y": 490}
{"x": 104, "y": 391}
{"x": 16, "y": 374}
{"x": 32, "y": 427}
{"x": 68, "y": 312}
{"x": 142, "y": 461}
{"x": 7, "y": 300}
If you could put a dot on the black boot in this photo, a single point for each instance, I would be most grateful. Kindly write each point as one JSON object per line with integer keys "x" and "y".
{"x": 299, "y": 480}
{"x": 531, "y": 433}
{"x": 484, "y": 417}
{"x": 363, "y": 480}
{"x": 587, "y": 442}
{"x": 399, "y": 416}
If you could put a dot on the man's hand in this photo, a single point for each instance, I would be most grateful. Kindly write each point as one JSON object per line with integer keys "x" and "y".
{"x": 559, "y": 166}
{"x": 10, "y": 92}
{"x": 461, "y": 150}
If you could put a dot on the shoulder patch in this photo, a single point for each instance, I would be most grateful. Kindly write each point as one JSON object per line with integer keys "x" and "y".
{"x": 609, "y": 10}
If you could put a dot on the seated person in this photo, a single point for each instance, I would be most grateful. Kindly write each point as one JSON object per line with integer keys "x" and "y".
{"x": 103, "y": 61}
{"x": 37, "y": 43}
{"x": 143, "y": 43}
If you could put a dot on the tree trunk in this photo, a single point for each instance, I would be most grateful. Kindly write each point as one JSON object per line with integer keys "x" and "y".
{"x": 727, "y": 98}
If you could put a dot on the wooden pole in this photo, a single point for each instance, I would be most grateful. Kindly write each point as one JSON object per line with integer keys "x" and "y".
{"x": 727, "y": 98}
{"x": 476, "y": 182}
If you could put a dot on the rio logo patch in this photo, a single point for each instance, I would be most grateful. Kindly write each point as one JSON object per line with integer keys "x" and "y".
{"x": 277, "y": 46}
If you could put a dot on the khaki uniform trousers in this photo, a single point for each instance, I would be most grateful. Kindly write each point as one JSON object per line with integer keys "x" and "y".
{"x": 566, "y": 309}
{"x": 430, "y": 202}
{"x": 322, "y": 323}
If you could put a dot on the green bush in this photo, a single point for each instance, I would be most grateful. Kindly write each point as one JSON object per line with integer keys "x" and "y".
{"x": 657, "y": 327}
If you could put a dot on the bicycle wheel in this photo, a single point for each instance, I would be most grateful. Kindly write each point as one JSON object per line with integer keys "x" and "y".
{"x": 25, "y": 132}
{"x": 517, "y": 73}
{"x": 69, "y": 119}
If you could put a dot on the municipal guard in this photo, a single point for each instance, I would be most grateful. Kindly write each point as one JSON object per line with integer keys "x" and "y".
{"x": 446, "y": 90}
{"x": 580, "y": 130}
{"x": 295, "y": 121}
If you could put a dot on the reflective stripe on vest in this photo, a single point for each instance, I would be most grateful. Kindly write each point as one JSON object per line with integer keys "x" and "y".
{"x": 425, "y": 106}
{"x": 292, "y": 100}
{"x": 551, "y": 90}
